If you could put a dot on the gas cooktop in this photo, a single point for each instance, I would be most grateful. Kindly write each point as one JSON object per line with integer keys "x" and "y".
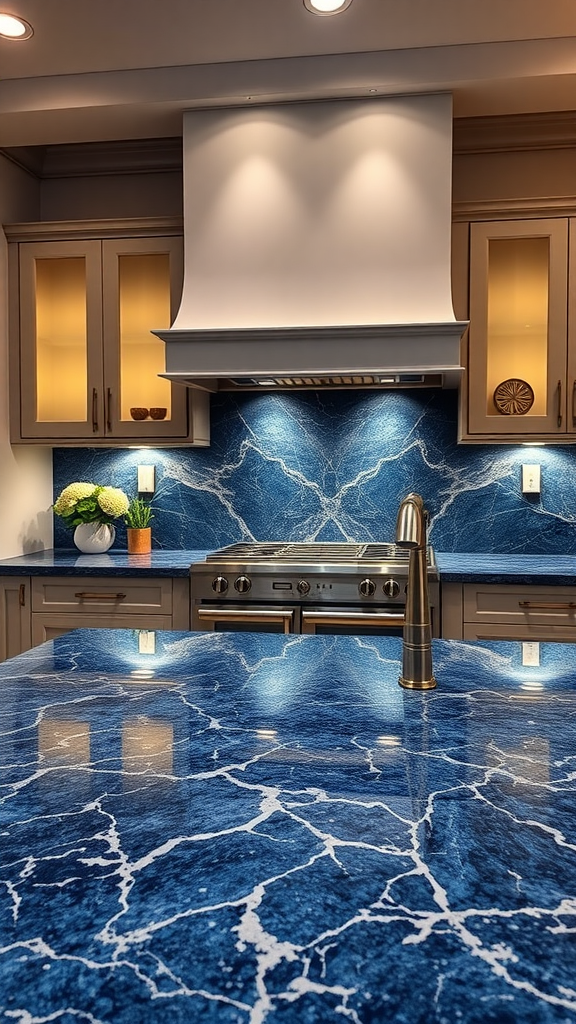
{"x": 336, "y": 553}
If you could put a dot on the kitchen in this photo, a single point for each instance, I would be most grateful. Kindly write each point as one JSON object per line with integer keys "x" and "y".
{"x": 337, "y": 463}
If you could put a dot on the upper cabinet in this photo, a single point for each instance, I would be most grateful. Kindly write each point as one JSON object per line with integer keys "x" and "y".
{"x": 521, "y": 349}
{"x": 84, "y": 364}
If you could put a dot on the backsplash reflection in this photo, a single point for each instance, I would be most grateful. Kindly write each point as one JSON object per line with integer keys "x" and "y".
{"x": 334, "y": 465}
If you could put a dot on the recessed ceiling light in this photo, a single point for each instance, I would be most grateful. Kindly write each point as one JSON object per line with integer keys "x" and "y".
{"x": 14, "y": 28}
{"x": 324, "y": 7}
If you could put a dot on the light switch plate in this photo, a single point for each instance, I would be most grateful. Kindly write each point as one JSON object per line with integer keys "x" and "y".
{"x": 531, "y": 479}
{"x": 146, "y": 479}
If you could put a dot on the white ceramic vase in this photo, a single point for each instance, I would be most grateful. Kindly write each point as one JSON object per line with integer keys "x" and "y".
{"x": 94, "y": 538}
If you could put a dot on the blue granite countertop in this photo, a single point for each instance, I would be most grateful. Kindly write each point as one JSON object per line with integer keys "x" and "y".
{"x": 112, "y": 563}
{"x": 554, "y": 570}
{"x": 248, "y": 828}
{"x": 464, "y": 567}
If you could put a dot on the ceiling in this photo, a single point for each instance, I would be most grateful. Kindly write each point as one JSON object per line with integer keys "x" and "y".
{"x": 126, "y": 69}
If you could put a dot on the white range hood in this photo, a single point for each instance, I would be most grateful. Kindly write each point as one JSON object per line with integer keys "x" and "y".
{"x": 317, "y": 246}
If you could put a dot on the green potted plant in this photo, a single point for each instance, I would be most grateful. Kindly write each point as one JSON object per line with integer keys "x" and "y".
{"x": 90, "y": 510}
{"x": 138, "y": 529}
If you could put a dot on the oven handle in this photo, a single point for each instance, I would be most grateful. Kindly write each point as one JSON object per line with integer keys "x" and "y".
{"x": 320, "y": 618}
{"x": 285, "y": 616}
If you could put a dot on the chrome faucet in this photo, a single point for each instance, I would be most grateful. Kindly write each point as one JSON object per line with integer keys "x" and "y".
{"x": 417, "y": 633}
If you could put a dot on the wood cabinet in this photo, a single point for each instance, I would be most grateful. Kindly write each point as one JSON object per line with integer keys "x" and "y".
{"x": 15, "y": 618}
{"x": 84, "y": 364}
{"x": 473, "y": 611}
{"x": 521, "y": 346}
{"x": 38, "y": 608}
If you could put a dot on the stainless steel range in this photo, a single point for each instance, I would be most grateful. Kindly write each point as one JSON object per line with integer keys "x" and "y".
{"x": 324, "y": 588}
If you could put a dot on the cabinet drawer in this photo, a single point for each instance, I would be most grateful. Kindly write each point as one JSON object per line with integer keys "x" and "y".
{"x": 112, "y": 595}
{"x": 547, "y": 606}
{"x": 51, "y": 625}
{"x": 530, "y": 632}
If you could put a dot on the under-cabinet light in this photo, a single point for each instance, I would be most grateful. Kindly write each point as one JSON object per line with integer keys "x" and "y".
{"x": 389, "y": 741}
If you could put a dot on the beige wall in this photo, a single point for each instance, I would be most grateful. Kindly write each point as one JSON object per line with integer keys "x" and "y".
{"x": 25, "y": 475}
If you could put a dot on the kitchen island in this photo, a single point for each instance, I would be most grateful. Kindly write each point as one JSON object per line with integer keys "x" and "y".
{"x": 248, "y": 827}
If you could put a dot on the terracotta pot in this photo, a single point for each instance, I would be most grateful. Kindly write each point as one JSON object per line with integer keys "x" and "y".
{"x": 139, "y": 540}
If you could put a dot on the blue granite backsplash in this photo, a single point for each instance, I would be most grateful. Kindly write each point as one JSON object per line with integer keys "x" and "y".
{"x": 334, "y": 465}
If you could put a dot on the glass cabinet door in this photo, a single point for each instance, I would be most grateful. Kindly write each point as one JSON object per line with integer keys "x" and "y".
{"x": 61, "y": 381}
{"x": 142, "y": 287}
{"x": 571, "y": 383}
{"x": 518, "y": 327}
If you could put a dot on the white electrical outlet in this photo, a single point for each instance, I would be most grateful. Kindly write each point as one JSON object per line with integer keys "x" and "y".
{"x": 146, "y": 479}
{"x": 530, "y": 653}
{"x": 146, "y": 641}
{"x": 531, "y": 479}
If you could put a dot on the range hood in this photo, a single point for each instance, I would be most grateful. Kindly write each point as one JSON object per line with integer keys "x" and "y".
{"x": 317, "y": 246}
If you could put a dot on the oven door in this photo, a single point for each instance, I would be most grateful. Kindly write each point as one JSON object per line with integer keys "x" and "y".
{"x": 246, "y": 618}
{"x": 326, "y": 620}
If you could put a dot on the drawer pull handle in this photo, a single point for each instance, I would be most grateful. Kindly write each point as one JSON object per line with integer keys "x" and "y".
{"x": 109, "y": 410}
{"x": 547, "y": 604}
{"x": 559, "y": 390}
{"x": 94, "y": 410}
{"x": 22, "y": 595}
{"x": 87, "y": 596}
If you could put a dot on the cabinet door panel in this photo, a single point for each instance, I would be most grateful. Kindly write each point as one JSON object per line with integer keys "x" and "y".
{"x": 61, "y": 379}
{"x": 571, "y": 382}
{"x": 142, "y": 287}
{"x": 518, "y": 327}
{"x": 15, "y": 635}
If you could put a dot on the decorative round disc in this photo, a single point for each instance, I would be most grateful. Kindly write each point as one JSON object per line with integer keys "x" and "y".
{"x": 513, "y": 397}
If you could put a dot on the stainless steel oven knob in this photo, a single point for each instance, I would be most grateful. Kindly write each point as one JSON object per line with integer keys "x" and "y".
{"x": 220, "y": 585}
{"x": 242, "y": 584}
{"x": 391, "y": 588}
{"x": 367, "y": 588}
{"x": 303, "y": 587}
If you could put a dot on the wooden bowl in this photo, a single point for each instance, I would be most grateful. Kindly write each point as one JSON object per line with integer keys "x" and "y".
{"x": 158, "y": 414}
{"x": 138, "y": 414}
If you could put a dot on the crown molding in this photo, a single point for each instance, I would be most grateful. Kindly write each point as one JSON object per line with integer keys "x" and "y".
{"x": 131, "y": 227}
{"x": 515, "y": 133}
{"x": 512, "y": 209}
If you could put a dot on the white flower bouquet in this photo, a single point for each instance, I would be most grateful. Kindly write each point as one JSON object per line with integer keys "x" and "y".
{"x": 82, "y": 502}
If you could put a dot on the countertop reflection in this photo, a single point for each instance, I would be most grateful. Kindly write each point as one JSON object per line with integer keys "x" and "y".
{"x": 250, "y": 827}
